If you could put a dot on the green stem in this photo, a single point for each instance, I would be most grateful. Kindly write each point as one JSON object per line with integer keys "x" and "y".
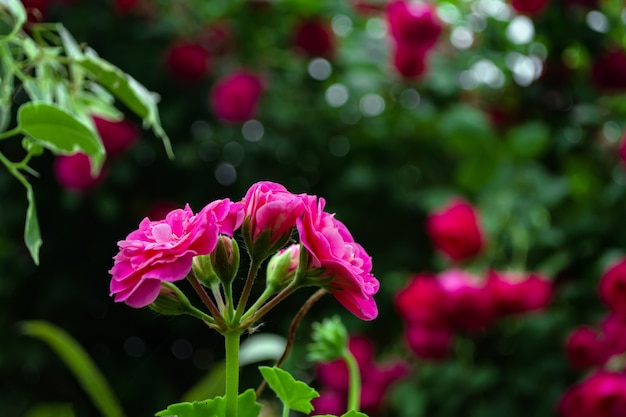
{"x": 258, "y": 303}
{"x": 232, "y": 371}
{"x": 197, "y": 286}
{"x": 247, "y": 288}
{"x": 268, "y": 306}
{"x": 354, "y": 392}
{"x": 9, "y": 133}
{"x": 285, "y": 411}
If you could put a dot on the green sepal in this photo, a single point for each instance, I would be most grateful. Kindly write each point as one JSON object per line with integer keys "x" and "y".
{"x": 296, "y": 395}
{"x": 216, "y": 407}
{"x": 330, "y": 340}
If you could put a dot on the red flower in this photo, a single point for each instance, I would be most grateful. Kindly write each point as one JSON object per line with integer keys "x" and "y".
{"x": 234, "y": 98}
{"x": 427, "y": 341}
{"x": 124, "y": 6}
{"x": 409, "y": 60}
{"x": 187, "y": 61}
{"x": 531, "y": 7}
{"x": 613, "y": 287}
{"x": 314, "y": 37}
{"x": 584, "y": 349}
{"x": 466, "y": 304}
{"x": 414, "y": 23}
{"x": 117, "y": 136}
{"x": 514, "y": 293}
{"x": 454, "y": 230}
{"x": 420, "y": 300}
{"x": 609, "y": 70}
{"x": 74, "y": 172}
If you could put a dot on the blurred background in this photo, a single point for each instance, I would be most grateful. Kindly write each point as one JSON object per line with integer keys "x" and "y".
{"x": 388, "y": 110}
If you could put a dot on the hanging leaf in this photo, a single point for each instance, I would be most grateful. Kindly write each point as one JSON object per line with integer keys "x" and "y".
{"x": 216, "y": 407}
{"x": 32, "y": 234}
{"x": 16, "y": 14}
{"x": 79, "y": 363}
{"x": 296, "y": 395}
{"x": 129, "y": 91}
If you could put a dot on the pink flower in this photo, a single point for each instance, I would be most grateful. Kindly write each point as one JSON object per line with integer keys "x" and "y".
{"x": 330, "y": 402}
{"x": 344, "y": 262}
{"x": 160, "y": 251}
{"x": 613, "y": 329}
{"x": 73, "y": 172}
{"x": 603, "y": 394}
{"x": 314, "y": 37}
{"x": 584, "y": 349}
{"x": 621, "y": 151}
{"x": 187, "y": 61}
{"x": 428, "y": 341}
{"x": 117, "y": 136}
{"x": 420, "y": 300}
{"x": 410, "y": 61}
{"x": 228, "y": 215}
{"x": 234, "y": 98}
{"x": 613, "y": 287}
{"x": 413, "y": 23}
{"x": 270, "y": 210}
{"x": 455, "y": 230}
{"x": 466, "y": 304}
{"x": 518, "y": 292}
{"x": 609, "y": 70}
{"x": 531, "y": 7}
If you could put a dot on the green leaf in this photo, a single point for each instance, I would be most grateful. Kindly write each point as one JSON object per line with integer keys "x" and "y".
{"x": 216, "y": 407}
{"x": 32, "y": 234}
{"x": 17, "y": 15}
{"x": 129, "y": 91}
{"x": 60, "y": 131}
{"x": 78, "y": 362}
{"x": 353, "y": 413}
{"x": 529, "y": 140}
{"x": 296, "y": 395}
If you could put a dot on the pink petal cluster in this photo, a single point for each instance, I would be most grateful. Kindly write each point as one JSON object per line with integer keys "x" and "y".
{"x": 117, "y": 136}
{"x": 188, "y": 61}
{"x": 602, "y": 394}
{"x": 73, "y": 172}
{"x": 434, "y": 307}
{"x": 345, "y": 263}
{"x": 415, "y": 29}
{"x": 234, "y": 98}
{"x": 455, "y": 230}
{"x": 612, "y": 287}
{"x": 376, "y": 379}
{"x": 313, "y": 37}
{"x": 163, "y": 251}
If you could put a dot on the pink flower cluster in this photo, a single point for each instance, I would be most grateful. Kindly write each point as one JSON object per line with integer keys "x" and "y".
{"x": 415, "y": 29}
{"x": 163, "y": 250}
{"x": 376, "y": 379}
{"x": 433, "y": 307}
{"x": 73, "y": 172}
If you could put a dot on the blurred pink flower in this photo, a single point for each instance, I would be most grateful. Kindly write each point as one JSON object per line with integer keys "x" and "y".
{"x": 330, "y": 402}
{"x": 344, "y": 261}
{"x": 269, "y": 208}
{"x": 613, "y": 329}
{"x": 518, "y": 292}
{"x": 612, "y": 287}
{"x": 455, "y": 231}
{"x": 420, "y": 300}
{"x": 117, "y": 136}
{"x": 409, "y": 61}
{"x": 124, "y": 6}
{"x": 584, "y": 349}
{"x": 466, "y": 303}
{"x": 160, "y": 251}
{"x": 314, "y": 37}
{"x": 73, "y": 172}
{"x": 234, "y": 98}
{"x": 530, "y": 7}
{"x": 602, "y": 394}
{"x": 187, "y": 61}
{"x": 428, "y": 341}
{"x": 414, "y": 23}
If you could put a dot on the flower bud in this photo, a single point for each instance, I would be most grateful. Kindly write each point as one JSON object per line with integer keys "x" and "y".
{"x": 171, "y": 301}
{"x": 330, "y": 340}
{"x": 203, "y": 269}
{"x": 225, "y": 259}
{"x": 281, "y": 268}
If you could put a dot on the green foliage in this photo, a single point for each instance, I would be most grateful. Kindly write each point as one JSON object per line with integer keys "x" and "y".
{"x": 330, "y": 340}
{"x": 294, "y": 394}
{"x": 216, "y": 407}
{"x": 79, "y": 362}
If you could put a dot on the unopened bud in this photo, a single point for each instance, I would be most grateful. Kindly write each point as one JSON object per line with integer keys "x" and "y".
{"x": 282, "y": 267}
{"x": 330, "y": 340}
{"x": 203, "y": 269}
{"x": 225, "y": 259}
{"x": 171, "y": 301}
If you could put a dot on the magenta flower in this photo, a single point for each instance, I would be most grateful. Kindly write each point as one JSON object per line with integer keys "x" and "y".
{"x": 270, "y": 213}
{"x": 160, "y": 251}
{"x": 414, "y": 23}
{"x": 420, "y": 300}
{"x": 584, "y": 349}
{"x": 530, "y": 7}
{"x": 518, "y": 292}
{"x": 73, "y": 172}
{"x": 428, "y": 341}
{"x": 234, "y": 98}
{"x": 188, "y": 61}
{"x": 613, "y": 287}
{"x": 314, "y": 37}
{"x": 455, "y": 230}
{"x": 466, "y": 304}
{"x": 343, "y": 261}
{"x": 117, "y": 136}
{"x": 228, "y": 215}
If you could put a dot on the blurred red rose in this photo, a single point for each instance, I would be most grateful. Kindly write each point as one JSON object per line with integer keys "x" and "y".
{"x": 420, "y": 300}
{"x": 612, "y": 287}
{"x": 73, "y": 172}
{"x": 314, "y": 37}
{"x": 531, "y": 7}
{"x": 455, "y": 231}
{"x": 428, "y": 341}
{"x": 584, "y": 349}
{"x": 414, "y": 23}
{"x": 234, "y": 98}
{"x": 187, "y": 61}
{"x": 609, "y": 70}
{"x": 117, "y": 136}
{"x": 409, "y": 61}
{"x": 518, "y": 292}
{"x": 466, "y": 303}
